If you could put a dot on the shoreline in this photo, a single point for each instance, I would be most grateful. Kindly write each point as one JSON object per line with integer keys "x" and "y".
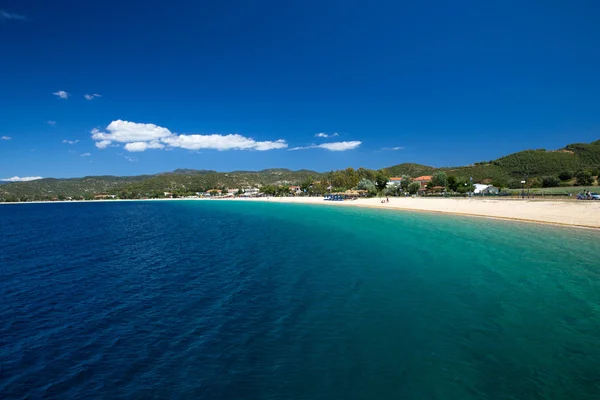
{"x": 582, "y": 214}
{"x": 509, "y": 219}
{"x": 564, "y": 219}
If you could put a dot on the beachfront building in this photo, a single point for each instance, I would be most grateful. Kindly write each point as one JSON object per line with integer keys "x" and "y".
{"x": 481, "y": 188}
{"x": 395, "y": 181}
{"x": 251, "y": 192}
{"x": 104, "y": 196}
{"x": 423, "y": 180}
{"x": 295, "y": 190}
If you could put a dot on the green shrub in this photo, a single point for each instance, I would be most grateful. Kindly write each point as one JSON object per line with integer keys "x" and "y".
{"x": 452, "y": 182}
{"x": 367, "y": 185}
{"x": 439, "y": 179}
{"x": 584, "y": 178}
{"x": 565, "y": 175}
{"x": 535, "y": 183}
{"x": 514, "y": 184}
{"x": 550, "y": 181}
{"x": 414, "y": 187}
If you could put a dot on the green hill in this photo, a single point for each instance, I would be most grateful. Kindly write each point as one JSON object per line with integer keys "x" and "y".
{"x": 181, "y": 180}
{"x": 534, "y": 163}
{"x": 51, "y": 187}
{"x": 410, "y": 169}
{"x": 504, "y": 171}
{"x": 199, "y": 182}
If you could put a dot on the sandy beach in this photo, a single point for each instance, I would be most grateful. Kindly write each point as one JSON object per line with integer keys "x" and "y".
{"x": 570, "y": 213}
{"x": 584, "y": 214}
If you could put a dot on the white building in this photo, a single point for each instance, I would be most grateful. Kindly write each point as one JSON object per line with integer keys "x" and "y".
{"x": 393, "y": 182}
{"x": 485, "y": 189}
{"x": 251, "y": 192}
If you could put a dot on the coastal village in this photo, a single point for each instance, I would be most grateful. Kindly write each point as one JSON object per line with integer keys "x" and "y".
{"x": 570, "y": 173}
{"x": 394, "y": 186}
{"x": 425, "y": 186}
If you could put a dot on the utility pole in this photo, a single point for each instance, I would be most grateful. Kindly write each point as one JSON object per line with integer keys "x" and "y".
{"x": 470, "y": 186}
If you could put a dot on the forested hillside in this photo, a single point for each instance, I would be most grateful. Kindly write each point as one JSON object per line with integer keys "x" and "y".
{"x": 529, "y": 163}
{"x": 201, "y": 181}
{"x": 577, "y": 163}
{"x": 410, "y": 169}
{"x": 542, "y": 162}
{"x": 184, "y": 181}
{"x": 50, "y": 188}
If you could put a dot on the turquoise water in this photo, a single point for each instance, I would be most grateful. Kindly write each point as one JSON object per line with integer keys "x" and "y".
{"x": 232, "y": 300}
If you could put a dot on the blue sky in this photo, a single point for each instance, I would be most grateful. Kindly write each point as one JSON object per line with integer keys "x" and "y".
{"x": 248, "y": 85}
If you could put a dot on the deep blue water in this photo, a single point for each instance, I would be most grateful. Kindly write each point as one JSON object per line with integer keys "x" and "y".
{"x": 236, "y": 300}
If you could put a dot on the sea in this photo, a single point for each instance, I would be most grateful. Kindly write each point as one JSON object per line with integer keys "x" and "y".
{"x": 250, "y": 300}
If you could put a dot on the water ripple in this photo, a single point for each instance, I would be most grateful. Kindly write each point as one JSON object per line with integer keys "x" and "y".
{"x": 271, "y": 301}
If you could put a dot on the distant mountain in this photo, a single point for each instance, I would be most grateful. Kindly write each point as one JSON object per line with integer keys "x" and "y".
{"x": 180, "y": 180}
{"x": 88, "y": 185}
{"x": 186, "y": 171}
{"x": 410, "y": 169}
{"x": 533, "y": 163}
{"x": 510, "y": 168}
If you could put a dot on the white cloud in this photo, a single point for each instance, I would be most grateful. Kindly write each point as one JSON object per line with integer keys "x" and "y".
{"x": 142, "y": 146}
{"x": 103, "y": 144}
{"x": 126, "y": 132}
{"x": 140, "y": 137}
{"x": 222, "y": 142}
{"x": 393, "y": 148}
{"x": 91, "y": 96}
{"x": 85, "y": 155}
{"x": 52, "y": 123}
{"x": 136, "y": 146}
{"x": 326, "y": 135}
{"x": 70, "y": 141}
{"x": 62, "y": 94}
{"x": 333, "y": 146}
{"x": 5, "y": 138}
{"x": 271, "y": 145}
{"x": 23, "y": 179}
{"x": 7, "y": 15}
{"x": 340, "y": 146}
